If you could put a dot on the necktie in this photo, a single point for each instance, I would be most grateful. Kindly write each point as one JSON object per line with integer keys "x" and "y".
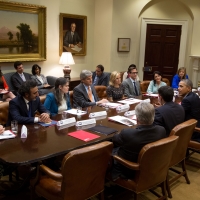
{"x": 136, "y": 92}
{"x": 29, "y": 109}
{"x": 95, "y": 80}
{"x": 90, "y": 94}
{"x": 23, "y": 78}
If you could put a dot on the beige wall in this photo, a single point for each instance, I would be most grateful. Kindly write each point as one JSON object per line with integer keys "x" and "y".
{"x": 108, "y": 20}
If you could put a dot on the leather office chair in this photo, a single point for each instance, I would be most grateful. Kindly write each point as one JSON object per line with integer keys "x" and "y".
{"x": 151, "y": 168}
{"x": 101, "y": 91}
{"x": 82, "y": 174}
{"x": 184, "y": 131}
{"x": 71, "y": 98}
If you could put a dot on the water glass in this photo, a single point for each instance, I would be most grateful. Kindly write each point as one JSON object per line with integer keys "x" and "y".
{"x": 14, "y": 126}
{"x": 79, "y": 110}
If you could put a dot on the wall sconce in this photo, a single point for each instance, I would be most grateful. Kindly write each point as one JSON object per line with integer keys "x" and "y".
{"x": 66, "y": 59}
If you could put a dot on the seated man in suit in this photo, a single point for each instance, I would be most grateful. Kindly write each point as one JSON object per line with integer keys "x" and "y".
{"x": 99, "y": 77}
{"x": 20, "y": 76}
{"x": 130, "y": 141}
{"x": 190, "y": 103}
{"x": 169, "y": 114}
{"x": 131, "y": 85}
{"x": 23, "y": 107}
{"x": 84, "y": 94}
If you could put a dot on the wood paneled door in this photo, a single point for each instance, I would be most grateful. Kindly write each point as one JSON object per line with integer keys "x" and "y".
{"x": 162, "y": 50}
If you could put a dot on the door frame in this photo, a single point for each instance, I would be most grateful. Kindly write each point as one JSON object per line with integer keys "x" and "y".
{"x": 183, "y": 41}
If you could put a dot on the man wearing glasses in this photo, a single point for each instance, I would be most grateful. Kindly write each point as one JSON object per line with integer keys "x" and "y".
{"x": 131, "y": 85}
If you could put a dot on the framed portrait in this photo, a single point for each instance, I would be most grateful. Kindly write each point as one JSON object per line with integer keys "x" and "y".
{"x": 123, "y": 44}
{"x": 22, "y": 32}
{"x": 73, "y": 34}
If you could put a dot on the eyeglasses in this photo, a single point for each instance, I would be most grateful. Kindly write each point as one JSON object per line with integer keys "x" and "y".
{"x": 134, "y": 73}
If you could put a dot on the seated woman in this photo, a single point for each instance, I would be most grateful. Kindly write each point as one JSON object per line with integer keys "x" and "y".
{"x": 181, "y": 74}
{"x": 5, "y": 95}
{"x": 41, "y": 80}
{"x": 115, "y": 90}
{"x": 156, "y": 83}
{"x": 59, "y": 100}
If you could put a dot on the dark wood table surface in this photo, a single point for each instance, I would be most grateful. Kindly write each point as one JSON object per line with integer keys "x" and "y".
{"x": 46, "y": 142}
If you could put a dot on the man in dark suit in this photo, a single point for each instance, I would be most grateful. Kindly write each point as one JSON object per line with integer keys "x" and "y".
{"x": 23, "y": 107}
{"x": 190, "y": 103}
{"x": 169, "y": 114}
{"x": 131, "y": 85}
{"x": 99, "y": 77}
{"x": 20, "y": 76}
{"x": 72, "y": 38}
{"x": 130, "y": 141}
{"x": 84, "y": 95}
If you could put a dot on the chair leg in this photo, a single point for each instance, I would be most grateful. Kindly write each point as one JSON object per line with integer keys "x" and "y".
{"x": 168, "y": 187}
{"x": 185, "y": 172}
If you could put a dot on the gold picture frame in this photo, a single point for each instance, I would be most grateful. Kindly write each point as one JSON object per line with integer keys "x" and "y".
{"x": 22, "y": 32}
{"x": 65, "y": 23}
{"x": 123, "y": 44}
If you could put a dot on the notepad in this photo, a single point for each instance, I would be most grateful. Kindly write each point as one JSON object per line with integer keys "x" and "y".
{"x": 7, "y": 134}
{"x": 103, "y": 129}
{"x": 83, "y": 135}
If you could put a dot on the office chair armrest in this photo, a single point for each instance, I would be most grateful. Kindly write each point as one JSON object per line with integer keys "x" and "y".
{"x": 52, "y": 174}
{"x": 126, "y": 163}
{"x": 197, "y": 129}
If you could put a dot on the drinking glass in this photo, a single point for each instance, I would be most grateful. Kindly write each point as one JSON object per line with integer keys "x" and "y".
{"x": 14, "y": 126}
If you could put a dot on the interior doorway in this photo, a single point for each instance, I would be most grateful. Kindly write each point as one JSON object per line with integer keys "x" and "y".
{"x": 162, "y": 50}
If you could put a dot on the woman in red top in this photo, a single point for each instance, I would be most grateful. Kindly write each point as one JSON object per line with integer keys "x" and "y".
{"x": 5, "y": 95}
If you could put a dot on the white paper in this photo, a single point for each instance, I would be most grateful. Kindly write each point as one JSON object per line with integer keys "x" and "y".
{"x": 66, "y": 121}
{"x": 123, "y": 107}
{"x": 112, "y": 105}
{"x": 24, "y": 132}
{"x": 123, "y": 120}
{"x": 129, "y": 113}
{"x": 73, "y": 111}
{"x": 147, "y": 100}
{"x": 130, "y": 101}
{"x": 97, "y": 114}
{"x": 6, "y": 135}
{"x": 152, "y": 95}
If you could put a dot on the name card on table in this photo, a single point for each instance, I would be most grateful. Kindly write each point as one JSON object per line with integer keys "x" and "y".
{"x": 129, "y": 113}
{"x": 24, "y": 132}
{"x": 66, "y": 121}
{"x": 97, "y": 114}
{"x": 85, "y": 127}
{"x": 66, "y": 126}
{"x": 86, "y": 122}
{"x": 123, "y": 107}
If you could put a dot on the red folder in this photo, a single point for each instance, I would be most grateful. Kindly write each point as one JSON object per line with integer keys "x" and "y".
{"x": 83, "y": 135}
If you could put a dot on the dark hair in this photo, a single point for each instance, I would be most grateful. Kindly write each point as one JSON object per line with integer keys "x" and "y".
{"x": 159, "y": 73}
{"x": 131, "y": 67}
{"x": 17, "y": 63}
{"x": 26, "y": 87}
{"x": 101, "y": 67}
{"x": 166, "y": 92}
{"x": 34, "y": 67}
{"x": 58, "y": 96}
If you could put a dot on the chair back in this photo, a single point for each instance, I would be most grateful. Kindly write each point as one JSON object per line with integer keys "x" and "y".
{"x": 166, "y": 81}
{"x": 184, "y": 131}
{"x": 51, "y": 80}
{"x": 71, "y": 98}
{"x": 101, "y": 91}
{"x": 84, "y": 171}
{"x": 144, "y": 85}
{"x": 154, "y": 159}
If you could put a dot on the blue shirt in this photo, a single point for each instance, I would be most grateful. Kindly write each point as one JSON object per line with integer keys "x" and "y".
{"x": 154, "y": 87}
{"x": 86, "y": 87}
{"x": 176, "y": 80}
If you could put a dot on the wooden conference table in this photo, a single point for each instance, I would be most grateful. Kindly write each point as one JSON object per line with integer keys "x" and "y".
{"x": 46, "y": 142}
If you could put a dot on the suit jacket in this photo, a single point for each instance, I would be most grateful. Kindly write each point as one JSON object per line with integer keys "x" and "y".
{"x": 69, "y": 40}
{"x": 129, "y": 89}
{"x": 169, "y": 115}
{"x": 81, "y": 98}
{"x": 42, "y": 90}
{"x": 103, "y": 79}
{"x": 51, "y": 105}
{"x": 17, "y": 80}
{"x": 191, "y": 105}
{"x": 18, "y": 110}
{"x": 130, "y": 141}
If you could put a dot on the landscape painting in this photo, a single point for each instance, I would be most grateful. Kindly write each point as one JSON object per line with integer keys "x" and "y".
{"x": 22, "y": 32}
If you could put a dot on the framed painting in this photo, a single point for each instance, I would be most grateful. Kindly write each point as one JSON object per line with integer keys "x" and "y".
{"x": 22, "y": 32}
{"x": 73, "y": 34}
{"x": 123, "y": 45}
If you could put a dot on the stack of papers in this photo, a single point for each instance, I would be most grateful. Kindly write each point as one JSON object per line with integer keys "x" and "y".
{"x": 123, "y": 120}
{"x": 130, "y": 101}
{"x": 6, "y": 135}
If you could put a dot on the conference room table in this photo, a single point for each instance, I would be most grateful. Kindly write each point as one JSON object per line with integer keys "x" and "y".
{"x": 47, "y": 142}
